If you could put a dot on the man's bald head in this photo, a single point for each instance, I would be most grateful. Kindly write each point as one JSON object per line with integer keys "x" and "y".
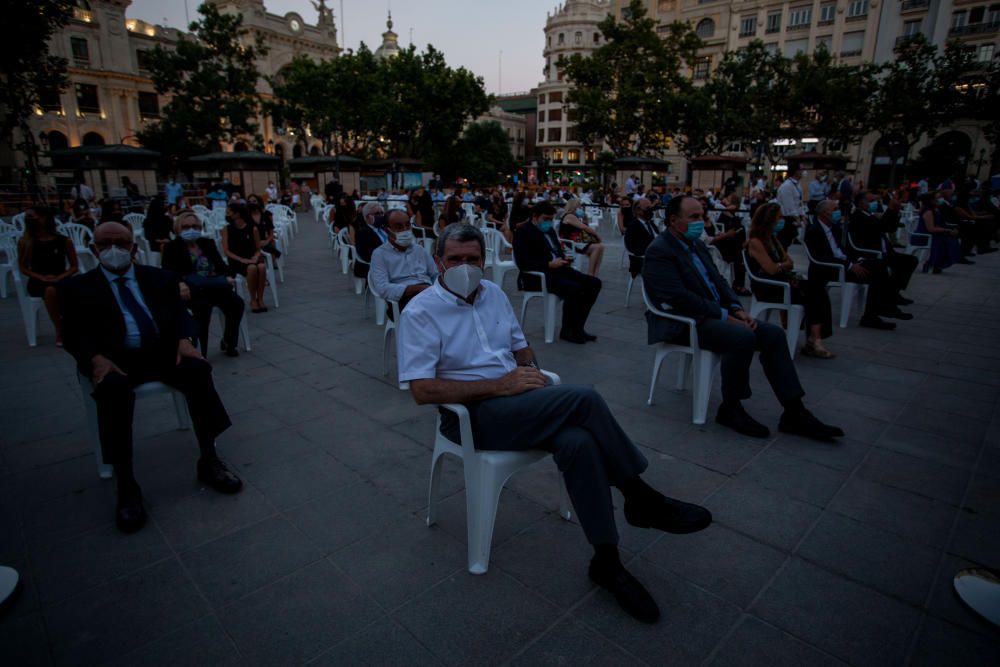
{"x": 111, "y": 233}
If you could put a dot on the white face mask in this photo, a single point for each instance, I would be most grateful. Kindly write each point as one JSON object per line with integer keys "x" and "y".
{"x": 190, "y": 234}
{"x": 404, "y": 239}
{"x": 463, "y": 279}
{"x": 115, "y": 259}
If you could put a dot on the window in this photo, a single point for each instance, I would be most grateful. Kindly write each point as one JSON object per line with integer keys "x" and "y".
{"x": 857, "y": 8}
{"x": 86, "y": 98}
{"x": 911, "y": 28}
{"x": 799, "y": 17}
{"x": 773, "y": 22}
{"x": 578, "y": 38}
{"x": 994, "y": 18}
{"x": 959, "y": 19}
{"x": 796, "y": 46}
{"x": 555, "y": 134}
{"x": 555, "y": 115}
{"x": 748, "y": 26}
{"x": 562, "y": 39}
{"x": 557, "y": 155}
{"x": 556, "y": 96}
{"x": 771, "y": 48}
{"x": 548, "y": 41}
{"x": 591, "y": 155}
{"x": 81, "y": 51}
{"x": 705, "y": 29}
{"x": 827, "y": 13}
{"x": 985, "y": 53}
{"x": 597, "y": 37}
{"x": 48, "y": 100}
{"x": 541, "y": 98}
{"x": 142, "y": 60}
{"x": 824, "y": 42}
{"x": 149, "y": 105}
{"x": 976, "y": 14}
{"x": 852, "y": 44}
{"x": 541, "y": 135}
{"x": 572, "y": 134}
{"x": 702, "y": 67}
{"x": 541, "y": 116}
{"x": 573, "y": 156}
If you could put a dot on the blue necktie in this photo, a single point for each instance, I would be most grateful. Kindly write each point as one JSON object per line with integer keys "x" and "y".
{"x": 147, "y": 328}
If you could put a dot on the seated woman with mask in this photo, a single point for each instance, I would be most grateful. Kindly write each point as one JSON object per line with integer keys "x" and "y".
{"x": 198, "y": 262}
{"x": 572, "y": 228}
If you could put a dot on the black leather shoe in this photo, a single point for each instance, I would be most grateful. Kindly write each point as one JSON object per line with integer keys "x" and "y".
{"x": 632, "y": 596}
{"x": 736, "y": 418}
{"x": 668, "y": 515}
{"x": 130, "y": 515}
{"x": 230, "y": 350}
{"x": 804, "y": 423}
{"x": 898, "y": 315}
{"x": 877, "y": 323}
{"x": 572, "y": 337}
{"x": 903, "y": 301}
{"x": 217, "y": 475}
{"x": 589, "y": 337}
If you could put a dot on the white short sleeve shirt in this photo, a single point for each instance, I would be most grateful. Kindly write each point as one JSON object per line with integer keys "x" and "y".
{"x": 442, "y": 336}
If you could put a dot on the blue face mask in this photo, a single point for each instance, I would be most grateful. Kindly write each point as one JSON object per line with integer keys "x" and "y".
{"x": 579, "y": 213}
{"x": 695, "y": 230}
{"x": 836, "y": 216}
{"x": 778, "y": 227}
{"x": 545, "y": 225}
{"x": 873, "y": 206}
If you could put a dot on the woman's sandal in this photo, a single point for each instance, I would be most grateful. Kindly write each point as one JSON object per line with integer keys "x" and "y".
{"x": 811, "y": 350}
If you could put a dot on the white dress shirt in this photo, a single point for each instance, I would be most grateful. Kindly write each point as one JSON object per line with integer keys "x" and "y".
{"x": 834, "y": 246}
{"x": 393, "y": 270}
{"x": 443, "y": 336}
{"x": 133, "y": 338}
{"x": 790, "y": 198}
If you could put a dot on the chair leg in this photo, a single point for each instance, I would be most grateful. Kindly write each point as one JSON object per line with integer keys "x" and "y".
{"x": 565, "y": 506}
{"x": 379, "y": 311}
{"x": 524, "y": 307}
{"x": 551, "y": 306}
{"x": 795, "y": 316}
{"x": 657, "y": 362}
{"x": 432, "y": 490}
{"x": 846, "y": 298}
{"x": 701, "y": 382}
{"x": 30, "y": 314}
{"x": 482, "y": 495}
{"x": 180, "y": 406}
{"x": 386, "y": 338}
{"x": 104, "y": 470}
{"x": 684, "y": 372}
{"x": 628, "y": 290}
{"x": 274, "y": 286}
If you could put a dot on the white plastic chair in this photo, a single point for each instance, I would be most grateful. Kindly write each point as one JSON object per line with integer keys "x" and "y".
{"x": 497, "y": 245}
{"x": 134, "y": 220}
{"x": 922, "y": 248}
{"x": 701, "y": 363}
{"x": 631, "y": 280}
{"x": 345, "y": 249}
{"x": 82, "y": 238}
{"x": 794, "y": 313}
{"x": 486, "y": 473}
{"x": 388, "y": 334}
{"x": 551, "y": 304}
{"x": 849, "y": 292}
{"x": 29, "y": 305}
{"x": 106, "y": 470}
{"x": 8, "y": 249}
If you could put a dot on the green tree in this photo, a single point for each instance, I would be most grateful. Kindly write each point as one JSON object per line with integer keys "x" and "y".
{"x": 626, "y": 92}
{"x": 211, "y": 78}
{"x": 483, "y": 154}
{"x": 27, "y": 72}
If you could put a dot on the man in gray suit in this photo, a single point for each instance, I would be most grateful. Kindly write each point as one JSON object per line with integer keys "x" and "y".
{"x": 679, "y": 273}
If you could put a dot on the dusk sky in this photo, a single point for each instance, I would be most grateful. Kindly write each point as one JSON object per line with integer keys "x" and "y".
{"x": 470, "y": 33}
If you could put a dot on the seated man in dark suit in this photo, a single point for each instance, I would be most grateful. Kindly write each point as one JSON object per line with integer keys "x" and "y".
{"x": 537, "y": 248}
{"x": 369, "y": 236}
{"x": 639, "y": 233}
{"x": 125, "y": 325}
{"x": 870, "y": 232}
{"x": 822, "y": 243}
{"x": 678, "y": 272}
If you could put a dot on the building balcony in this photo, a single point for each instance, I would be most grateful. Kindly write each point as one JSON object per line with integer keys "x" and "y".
{"x": 798, "y": 26}
{"x": 975, "y": 29}
{"x": 905, "y": 38}
{"x": 84, "y": 15}
{"x": 850, "y": 54}
{"x": 913, "y": 6}
{"x": 857, "y": 18}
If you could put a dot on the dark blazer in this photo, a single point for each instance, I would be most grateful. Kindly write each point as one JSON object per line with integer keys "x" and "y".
{"x": 670, "y": 276}
{"x": 365, "y": 242}
{"x": 93, "y": 322}
{"x": 637, "y": 239}
{"x": 868, "y": 232}
{"x": 176, "y": 257}
{"x": 820, "y": 250}
{"x": 533, "y": 253}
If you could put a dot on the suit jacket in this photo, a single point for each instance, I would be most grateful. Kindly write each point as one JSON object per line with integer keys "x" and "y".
{"x": 176, "y": 257}
{"x": 533, "y": 253}
{"x": 868, "y": 232}
{"x": 820, "y": 250}
{"x": 670, "y": 276}
{"x": 365, "y": 242}
{"x": 93, "y": 322}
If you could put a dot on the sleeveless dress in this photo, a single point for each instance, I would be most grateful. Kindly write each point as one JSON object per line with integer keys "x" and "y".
{"x": 47, "y": 258}
{"x": 240, "y": 243}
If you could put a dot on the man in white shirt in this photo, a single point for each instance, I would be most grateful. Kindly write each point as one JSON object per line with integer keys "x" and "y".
{"x": 459, "y": 342}
{"x": 789, "y": 197}
{"x": 818, "y": 190}
{"x": 401, "y": 269}
{"x": 271, "y": 192}
{"x": 82, "y": 191}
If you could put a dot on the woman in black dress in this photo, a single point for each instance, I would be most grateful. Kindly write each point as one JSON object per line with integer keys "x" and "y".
{"x": 767, "y": 259}
{"x": 45, "y": 256}
{"x": 197, "y": 260}
{"x": 241, "y": 245}
{"x": 263, "y": 222}
{"x": 157, "y": 225}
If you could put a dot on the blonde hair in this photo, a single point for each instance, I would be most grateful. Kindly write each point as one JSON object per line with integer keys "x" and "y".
{"x": 185, "y": 213}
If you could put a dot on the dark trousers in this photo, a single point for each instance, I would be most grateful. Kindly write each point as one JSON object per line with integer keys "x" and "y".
{"x": 226, "y": 300}
{"x": 578, "y": 291}
{"x": 881, "y": 291}
{"x": 577, "y": 427}
{"x": 736, "y": 344}
{"x": 901, "y": 267}
{"x": 115, "y": 398}
{"x": 790, "y": 232}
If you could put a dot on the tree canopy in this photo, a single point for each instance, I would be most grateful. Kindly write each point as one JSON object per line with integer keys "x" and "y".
{"x": 211, "y": 78}
{"x": 482, "y": 155}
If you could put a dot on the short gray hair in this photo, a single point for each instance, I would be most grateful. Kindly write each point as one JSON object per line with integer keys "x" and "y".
{"x": 370, "y": 206}
{"x": 826, "y": 206}
{"x": 461, "y": 232}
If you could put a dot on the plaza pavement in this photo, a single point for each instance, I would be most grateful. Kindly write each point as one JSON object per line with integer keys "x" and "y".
{"x": 820, "y": 554}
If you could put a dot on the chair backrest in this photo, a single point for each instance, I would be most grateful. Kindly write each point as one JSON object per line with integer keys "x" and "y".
{"x": 18, "y": 222}
{"x": 7, "y": 229}
{"x": 135, "y": 220}
{"x": 81, "y": 234}
{"x": 200, "y": 210}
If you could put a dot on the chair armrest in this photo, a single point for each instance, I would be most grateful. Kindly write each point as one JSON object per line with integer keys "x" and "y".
{"x": 541, "y": 276}
{"x": 555, "y": 379}
{"x": 785, "y": 287}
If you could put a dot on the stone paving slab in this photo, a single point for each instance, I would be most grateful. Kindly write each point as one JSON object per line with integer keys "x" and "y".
{"x": 821, "y": 554}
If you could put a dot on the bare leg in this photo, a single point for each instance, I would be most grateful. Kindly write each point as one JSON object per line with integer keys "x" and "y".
{"x": 253, "y": 278}
{"x": 596, "y": 253}
{"x": 261, "y": 282}
{"x": 52, "y": 308}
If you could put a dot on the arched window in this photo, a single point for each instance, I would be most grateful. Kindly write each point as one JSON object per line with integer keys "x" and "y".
{"x": 57, "y": 140}
{"x": 93, "y": 139}
{"x": 705, "y": 29}
{"x": 578, "y": 38}
{"x": 314, "y": 150}
{"x": 562, "y": 39}
{"x": 240, "y": 147}
{"x": 297, "y": 151}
